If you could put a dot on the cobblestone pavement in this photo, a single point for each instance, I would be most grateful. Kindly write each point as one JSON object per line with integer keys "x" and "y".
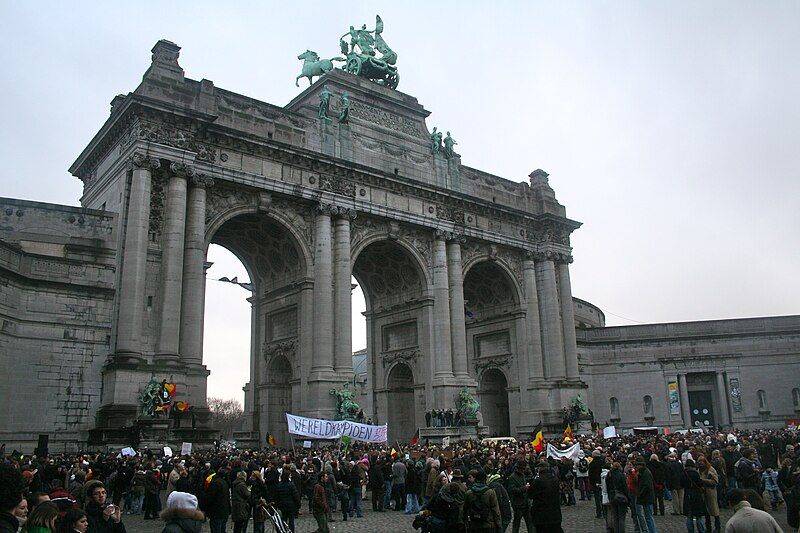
{"x": 577, "y": 519}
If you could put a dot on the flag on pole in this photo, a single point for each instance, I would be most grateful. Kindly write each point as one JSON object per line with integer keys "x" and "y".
{"x": 415, "y": 438}
{"x": 568, "y": 431}
{"x": 272, "y": 441}
{"x": 394, "y": 453}
{"x": 538, "y": 439}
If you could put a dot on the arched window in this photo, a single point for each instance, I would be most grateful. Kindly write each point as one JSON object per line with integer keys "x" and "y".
{"x": 647, "y": 405}
{"x": 762, "y": 400}
{"x": 614, "y": 403}
{"x": 796, "y": 398}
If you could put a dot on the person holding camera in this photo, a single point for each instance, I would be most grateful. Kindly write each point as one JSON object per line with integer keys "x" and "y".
{"x": 104, "y": 517}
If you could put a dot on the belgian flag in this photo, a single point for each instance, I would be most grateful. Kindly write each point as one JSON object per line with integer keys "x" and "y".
{"x": 538, "y": 439}
{"x": 272, "y": 441}
{"x": 415, "y": 438}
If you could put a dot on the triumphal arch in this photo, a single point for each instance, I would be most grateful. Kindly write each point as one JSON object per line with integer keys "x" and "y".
{"x": 465, "y": 274}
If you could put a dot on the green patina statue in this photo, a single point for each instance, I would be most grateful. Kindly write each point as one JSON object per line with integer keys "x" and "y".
{"x": 467, "y": 404}
{"x": 344, "y": 114}
{"x": 314, "y": 66}
{"x": 361, "y": 59}
{"x": 150, "y": 398}
{"x": 346, "y": 407}
{"x": 449, "y": 142}
{"x": 436, "y": 141}
{"x": 324, "y": 102}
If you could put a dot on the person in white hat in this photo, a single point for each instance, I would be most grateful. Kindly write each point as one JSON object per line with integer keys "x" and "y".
{"x": 182, "y": 514}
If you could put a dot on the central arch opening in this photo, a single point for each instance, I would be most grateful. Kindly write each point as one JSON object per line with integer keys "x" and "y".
{"x": 275, "y": 262}
{"x": 392, "y": 282}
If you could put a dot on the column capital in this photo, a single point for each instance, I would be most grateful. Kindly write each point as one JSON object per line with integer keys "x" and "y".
{"x": 563, "y": 258}
{"x": 202, "y": 181}
{"x": 181, "y": 170}
{"x": 345, "y": 213}
{"x": 140, "y": 160}
{"x": 336, "y": 210}
{"x": 449, "y": 236}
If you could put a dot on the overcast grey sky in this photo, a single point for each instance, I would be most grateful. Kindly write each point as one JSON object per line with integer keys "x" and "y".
{"x": 670, "y": 129}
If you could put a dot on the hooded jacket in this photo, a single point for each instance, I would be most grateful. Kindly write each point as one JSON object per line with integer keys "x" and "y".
{"x": 182, "y": 520}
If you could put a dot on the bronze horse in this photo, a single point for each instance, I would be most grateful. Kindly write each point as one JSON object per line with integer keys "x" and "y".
{"x": 314, "y": 66}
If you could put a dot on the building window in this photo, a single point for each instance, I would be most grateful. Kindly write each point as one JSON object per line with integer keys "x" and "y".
{"x": 762, "y": 400}
{"x": 796, "y": 398}
{"x": 614, "y": 403}
{"x": 647, "y": 406}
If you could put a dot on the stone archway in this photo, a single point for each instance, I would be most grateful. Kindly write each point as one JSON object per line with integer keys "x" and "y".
{"x": 493, "y": 396}
{"x": 400, "y": 393}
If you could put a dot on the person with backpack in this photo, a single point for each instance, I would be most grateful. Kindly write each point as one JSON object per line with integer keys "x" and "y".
{"x": 747, "y": 470}
{"x": 481, "y": 509}
{"x": 443, "y": 513}
{"x": 582, "y": 476}
{"x": 543, "y": 492}
{"x": 503, "y": 501}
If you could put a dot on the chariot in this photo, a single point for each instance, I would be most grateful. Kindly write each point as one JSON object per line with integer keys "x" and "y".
{"x": 372, "y": 68}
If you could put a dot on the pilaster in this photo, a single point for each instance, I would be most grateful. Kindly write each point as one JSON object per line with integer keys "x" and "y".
{"x": 458, "y": 330}
{"x": 567, "y": 317}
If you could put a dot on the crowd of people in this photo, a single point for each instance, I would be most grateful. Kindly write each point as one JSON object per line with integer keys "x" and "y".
{"x": 466, "y": 487}
{"x": 442, "y": 418}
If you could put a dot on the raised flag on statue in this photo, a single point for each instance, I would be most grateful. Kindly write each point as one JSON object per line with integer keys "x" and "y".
{"x": 316, "y": 428}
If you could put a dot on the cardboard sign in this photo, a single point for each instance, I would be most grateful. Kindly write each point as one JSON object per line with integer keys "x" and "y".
{"x": 186, "y": 448}
{"x": 167, "y": 451}
{"x": 609, "y": 432}
{"x": 306, "y": 444}
{"x": 445, "y": 441}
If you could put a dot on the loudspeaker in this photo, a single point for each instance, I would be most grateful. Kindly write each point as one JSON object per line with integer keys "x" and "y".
{"x": 41, "y": 449}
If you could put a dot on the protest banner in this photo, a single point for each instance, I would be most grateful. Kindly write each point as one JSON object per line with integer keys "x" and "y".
{"x": 316, "y": 428}
{"x": 571, "y": 452}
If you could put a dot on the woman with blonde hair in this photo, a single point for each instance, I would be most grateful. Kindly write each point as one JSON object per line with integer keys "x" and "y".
{"x": 710, "y": 479}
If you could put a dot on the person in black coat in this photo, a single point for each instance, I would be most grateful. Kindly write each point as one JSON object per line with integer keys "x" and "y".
{"x": 375, "y": 484}
{"x": 694, "y": 503}
{"x": 658, "y": 470}
{"x": 595, "y": 469}
{"x": 544, "y": 493}
{"x": 216, "y": 502}
{"x": 673, "y": 471}
{"x": 619, "y": 497}
{"x": 287, "y": 498}
{"x": 11, "y": 486}
{"x": 503, "y": 501}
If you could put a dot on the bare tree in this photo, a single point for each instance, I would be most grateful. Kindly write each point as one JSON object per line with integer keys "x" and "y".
{"x": 226, "y": 415}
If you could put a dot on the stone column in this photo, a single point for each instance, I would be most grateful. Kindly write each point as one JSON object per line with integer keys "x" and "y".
{"x": 534, "y": 349}
{"x": 134, "y": 257}
{"x": 458, "y": 328}
{"x": 550, "y": 314}
{"x": 443, "y": 362}
{"x": 172, "y": 247}
{"x": 567, "y": 318}
{"x": 342, "y": 297}
{"x": 683, "y": 389}
{"x": 323, "y": 288}
{"x": 723, "y": 400}
{"x": 194, "y": 277}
